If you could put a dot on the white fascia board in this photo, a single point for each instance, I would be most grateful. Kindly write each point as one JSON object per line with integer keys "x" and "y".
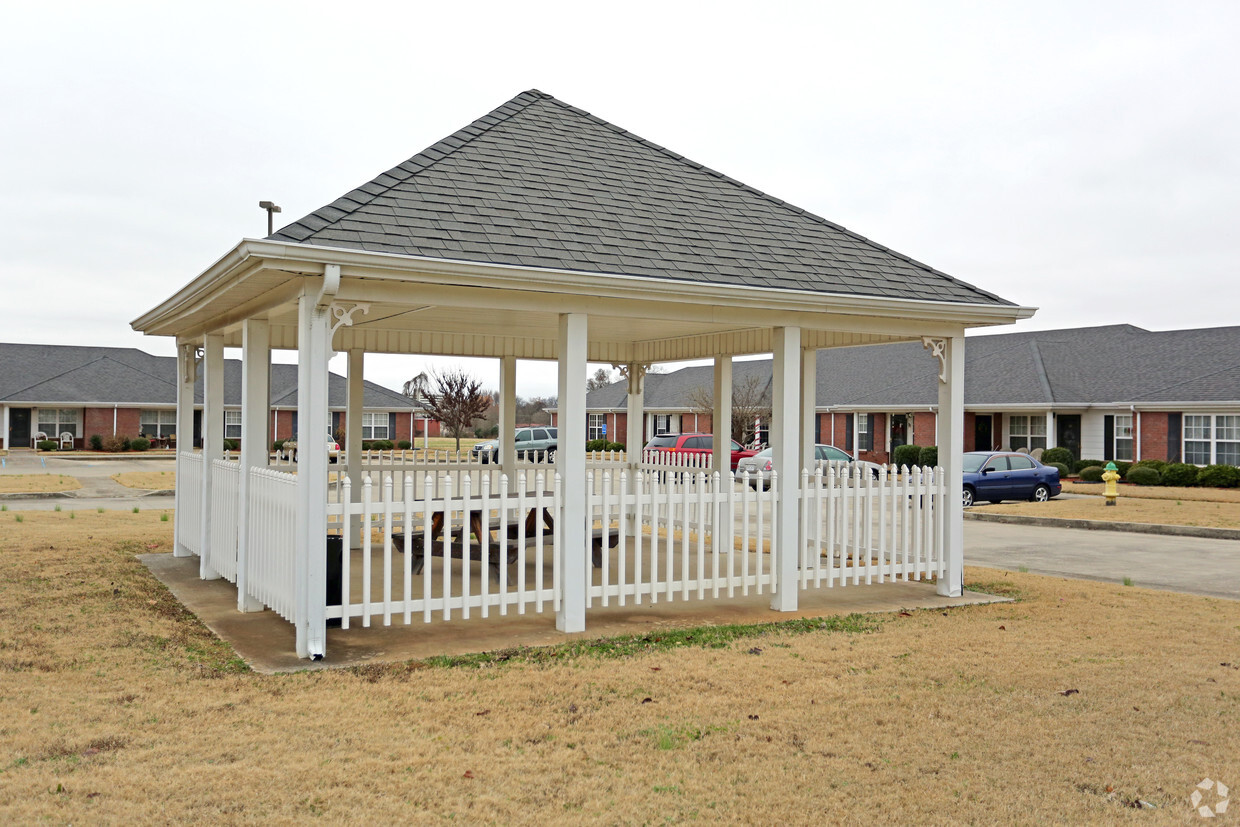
{"x": 310, "y": 260}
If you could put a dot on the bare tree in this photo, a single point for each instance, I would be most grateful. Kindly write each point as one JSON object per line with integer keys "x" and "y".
{"x": 751, "y": 399}
{"x": 600, "y": 379}
{"x": 456, "y": 402}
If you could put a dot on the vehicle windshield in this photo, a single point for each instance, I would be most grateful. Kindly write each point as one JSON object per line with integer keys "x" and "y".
{"x": 973, "y": 462}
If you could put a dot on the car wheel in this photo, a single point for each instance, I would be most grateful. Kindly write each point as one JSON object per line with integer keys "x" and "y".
{"x": 551, "y": 456}
{"x": 968, "y": 496}
{"x": 1041, "y": 494}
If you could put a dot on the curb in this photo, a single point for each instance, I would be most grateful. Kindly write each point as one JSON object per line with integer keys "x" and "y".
{"x": 1103, "y": 525}
{"x": 39, "y": 495}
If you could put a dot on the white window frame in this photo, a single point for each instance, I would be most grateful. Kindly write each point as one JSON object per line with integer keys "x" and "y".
{"x": 374, "y": 425}
{"x": 1023, "y": 432}
{"x": 1123, "y": 440}
{"x": 55, "y": 421}
{"x": 594, "y": 426}
{"x": 1206, "y": 434}
{"x": 663, "y": 424}
{"x": 157, "y": 423}
{"x": 862, "y": 440}
{"x": 232, "y": 424}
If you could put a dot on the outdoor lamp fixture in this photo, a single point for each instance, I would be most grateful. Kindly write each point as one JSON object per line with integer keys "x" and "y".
{"x": 270, "y": 207}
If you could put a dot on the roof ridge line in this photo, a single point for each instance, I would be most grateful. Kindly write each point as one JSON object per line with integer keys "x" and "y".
{"x": 58, "y": 375}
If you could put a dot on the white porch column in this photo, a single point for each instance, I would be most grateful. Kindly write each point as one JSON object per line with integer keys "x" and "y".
{"x": 212, "y": 441}
{"x": 187, "y": 376}
{"x": 635, "y": 414}
{"x": 353, "y": 434}
{"x": 255, "y": 440}
{"x": 310, "y": 575}
{"x": 951, "y": 447}
{"x": 508, "y": 416}
{"x": 785, "y": 442}
{"x": 809, "y": 406}
{"x": 721, "y": 418}
{"x": 570, "y": 464}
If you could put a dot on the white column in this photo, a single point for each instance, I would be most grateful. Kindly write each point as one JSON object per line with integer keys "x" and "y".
{"x": 212, "y": 441}
{"x": 508, "y": 416}
{"x": 635, "y": 415}
{"x": 187, "y": 375}
{"x": 4, "y": 427}
{"x": 255, "y": 440}
{"x": 721, "y": 416}
{"x": 570, "y": 462}
{"x": 809, "y": 406}
{"x": 310, "y": 567}
{"x": 353, "y": 434}
{"x": 785, "y": 442}
{"x": 951, "y": 447}
{"x": 1050, "y": 429}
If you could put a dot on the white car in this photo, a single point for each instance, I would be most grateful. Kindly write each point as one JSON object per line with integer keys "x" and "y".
{"x": 333, "y": 449}
{"x": 759, "y": 465}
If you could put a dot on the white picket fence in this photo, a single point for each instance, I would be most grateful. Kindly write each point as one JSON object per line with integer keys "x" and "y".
{"x": 271, "y": 539}
{"x": 225, "y": 502}
{"x": 188, "y": 524}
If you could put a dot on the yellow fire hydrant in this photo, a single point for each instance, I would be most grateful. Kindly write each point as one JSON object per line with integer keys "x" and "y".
{"x": 1110, "y": 477}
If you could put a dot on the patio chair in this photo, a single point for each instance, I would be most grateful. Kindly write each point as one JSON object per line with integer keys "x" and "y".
{"x": 66, "y": 441}
{"x": 39, "y": 436}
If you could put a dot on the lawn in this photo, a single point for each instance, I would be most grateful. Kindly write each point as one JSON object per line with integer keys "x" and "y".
{"x": 36, "y": 483}
{"x": 1074, "y": 704}
{"x": 148, "y": 480}
{"x": 1203, "y": 507}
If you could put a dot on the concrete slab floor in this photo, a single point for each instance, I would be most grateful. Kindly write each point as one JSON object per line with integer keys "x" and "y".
{"x": 266, "y": 641}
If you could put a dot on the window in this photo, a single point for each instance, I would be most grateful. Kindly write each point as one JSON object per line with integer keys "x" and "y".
{"x": 1019, "y": 463}
{"x": 374, "y": 426}
{"x": 158, "y": 424}
{"x": 232, "y": 424}
{"x": 1027, "y": 433}
{"x": 1210, "y": 439}
{"x": 56, "y": 421}
{"x": 1123, "y": 437}
{"x": 865, "y": 440}
{"x": 663, "y": 424}
{"x": 596, "y": 427}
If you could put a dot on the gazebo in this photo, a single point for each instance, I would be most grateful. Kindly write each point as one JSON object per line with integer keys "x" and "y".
{"x": 542, "y": 232}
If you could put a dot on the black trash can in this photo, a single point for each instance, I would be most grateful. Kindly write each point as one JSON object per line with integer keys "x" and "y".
{"x": 335, "y": 574}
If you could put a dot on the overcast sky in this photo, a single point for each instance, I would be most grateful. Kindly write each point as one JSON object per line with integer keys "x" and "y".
{"x": 1077, "y": 157}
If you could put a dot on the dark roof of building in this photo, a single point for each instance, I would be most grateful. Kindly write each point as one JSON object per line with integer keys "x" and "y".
{"x": 539, "y": 183}
{"x": 1113, "y": 364}
{"x": 78, "y": 375}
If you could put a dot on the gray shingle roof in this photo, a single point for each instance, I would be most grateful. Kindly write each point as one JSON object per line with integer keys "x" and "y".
{"x": 74, "y": 375}
{"x": 1114, "y": 364}
{"x": 539, "y": 183}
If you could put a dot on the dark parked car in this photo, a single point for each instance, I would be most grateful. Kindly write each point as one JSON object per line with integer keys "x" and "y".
{"x": 701, "y": 444}
{"x": 1005, "y": 475}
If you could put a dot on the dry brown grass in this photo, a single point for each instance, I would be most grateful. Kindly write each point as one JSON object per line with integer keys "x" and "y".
{"x": 1158, "y": 492}
{"x": 148, "y": 480}
{"x": 1127, "y": 510}
{"x": 116, "y": 706}
{"x": 36, "y": 483}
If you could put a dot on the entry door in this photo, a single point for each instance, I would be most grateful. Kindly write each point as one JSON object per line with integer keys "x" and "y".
{"x": 982, "y": 433}
{"x": 1068, "y": 433}
{"x": 899, "y": 431}
{"x": 19, "y": 428}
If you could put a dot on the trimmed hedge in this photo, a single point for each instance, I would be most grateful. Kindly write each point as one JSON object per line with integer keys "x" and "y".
{"x": 48, "y": 445}
{"x": 1086, "y": 463}
{"x": 1057, "y": 456}
{"x": 1091, "y": 474}
{"x": 139, "y": 443}
{"x": 96, "y": 442}
{"x": 1219, "y": 476}
{"x": 906, "y": 455}
{"x": 1060, "y": 467}
{"x": 278, "y": 445}
{"x": 928, "y": 456}
{"x": 1180, "y": 474}
{"x": 1143, "y": 475}
{"x": 403, "y": 445}
{"x": 1157, "y": 464}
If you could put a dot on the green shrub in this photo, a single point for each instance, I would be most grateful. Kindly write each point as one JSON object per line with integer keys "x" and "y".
{"x": 596, "y": 445}
{"x": 404, "y": 445}
{"x": 1143, "y": 475}
{"x": 115, "y": 443}
{"x": 615, "y": 446}
{"x": 1157, "y": 464}
{"x": 48, "y": 445}
{"x": 1092, "y": 473}
{"x": 278, "y": 445}
{"x": 1057, "y": 456}
{"x": 928, "y": 456}
{"x": 368, "y": 445}
{"x": 1180, "y": 474}
{"x": 1060, "y": 467}
{"x": 140, "y": 443}
{"x": 906, "y": 455}
{"x": 1086, "y": 463}
{"x": 229, "y": 444}
{"x": 1219, "y": 476}
{"x": 96, "y": 442}
{"x": 1122, "y": 468}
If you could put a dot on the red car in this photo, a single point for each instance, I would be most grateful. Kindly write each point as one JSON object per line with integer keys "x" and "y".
{"x": 702, "y": 444}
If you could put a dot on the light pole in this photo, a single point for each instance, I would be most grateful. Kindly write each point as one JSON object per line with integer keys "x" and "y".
{"x": 270, "y": 207}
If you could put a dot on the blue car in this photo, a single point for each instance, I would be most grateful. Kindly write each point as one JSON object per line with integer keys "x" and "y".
{"x": 1005, "y": 475}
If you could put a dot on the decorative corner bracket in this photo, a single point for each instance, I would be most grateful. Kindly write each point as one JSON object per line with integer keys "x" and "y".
{"x": 191, "y": 356}
{"x": 635, "y": 372}
{"x": 344, "y": 315}
{"x": 938, "y": 349}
